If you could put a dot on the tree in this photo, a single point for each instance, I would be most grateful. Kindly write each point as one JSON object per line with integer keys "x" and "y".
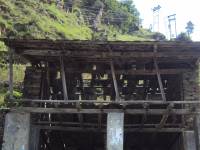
{"x": 189, "y": 28}
{"x": 183, "y": 37}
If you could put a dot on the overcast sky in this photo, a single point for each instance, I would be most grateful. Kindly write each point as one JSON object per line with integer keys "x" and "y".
{"x": 185, "y": 10}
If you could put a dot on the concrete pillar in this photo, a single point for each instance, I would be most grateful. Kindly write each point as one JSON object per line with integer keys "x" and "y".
{"x": 197, "y": 131}
{"x": 16, "y": 131}
{"x": 189, "y": 140}
{"x": 34, "y": 138}
{"x": 115, "y": 131}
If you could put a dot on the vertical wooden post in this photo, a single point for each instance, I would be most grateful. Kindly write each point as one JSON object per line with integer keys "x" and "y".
{"x": 114, "y": 81}
{"x": 63, "y": 78}
{"x": 10, "y": 74}
{"x": 115, "y": 131}
{"x": 159, "y": 76}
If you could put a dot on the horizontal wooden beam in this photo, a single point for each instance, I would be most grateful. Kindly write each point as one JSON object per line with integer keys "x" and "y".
{"x": 153, "y": 102}
{"x": 79, "y": 129}
{"x": 104, "y": 111}
{"x": 86, "y": 124}
{"x": 131, "y": 71}
{"x": 107, "y": 55}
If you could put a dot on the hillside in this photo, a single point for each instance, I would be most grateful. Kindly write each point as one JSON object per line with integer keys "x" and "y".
{"x": 39, "y": 19}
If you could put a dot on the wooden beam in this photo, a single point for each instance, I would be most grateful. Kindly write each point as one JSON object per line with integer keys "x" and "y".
{"x": 10, "y": 74}
{"x": 144, "y": 117}
{"x": 78, "y": 129}
{"x": 117, "y": 97}
{"x": 132, "y": 71}
{"x": 159, "y": 76}
{"x": 107, "y": 55}
{"x": 165, "y": 116}
{"x": 105, "y": 111}
{"x": 63, "y": 78}
{"x": 66, "y": 123}
{"x": 141, "y": 102}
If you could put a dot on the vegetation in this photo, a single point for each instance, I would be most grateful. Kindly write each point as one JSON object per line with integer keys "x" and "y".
{"x": 183, "y": 37}
{"x": 189, "y": 28}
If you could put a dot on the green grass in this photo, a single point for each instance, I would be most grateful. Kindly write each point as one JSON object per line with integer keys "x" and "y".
{"x": 34, "y": 19}
{"x": 19, "y": 71}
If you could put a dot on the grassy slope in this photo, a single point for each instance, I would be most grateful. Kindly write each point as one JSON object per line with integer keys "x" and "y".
{"x": 33, "y": 19}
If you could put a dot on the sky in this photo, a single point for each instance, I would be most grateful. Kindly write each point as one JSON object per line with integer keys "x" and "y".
{"x": 185, "y": 10}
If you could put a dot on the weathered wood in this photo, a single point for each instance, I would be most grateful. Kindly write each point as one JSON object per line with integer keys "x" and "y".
{"x": 63, "y": 79}
{"x": 117, "y": 97}
{"x": 78, "y": 129}
{"x": 158, "y": 75}
{"x": 137, "y": 126}
{"x": 115, "y": 55}
{"x": 97, "y": 111}
{"x": 165, "y": 116}
{"x": 132, "y": 71}
{"x": 158, "y": 102}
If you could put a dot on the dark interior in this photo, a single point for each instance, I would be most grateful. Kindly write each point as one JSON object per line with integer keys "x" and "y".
{"x": 69, "y": 140}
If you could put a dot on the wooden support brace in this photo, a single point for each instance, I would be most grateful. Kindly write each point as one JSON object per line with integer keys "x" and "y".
{"x": 63, "y": 78}
{"x": 159, "y": 76}
{"x": 99, "y": 120}
{"x": 115, "y": 81}
{"x": 165, "y": 116}
{"x": 144, "y": 117}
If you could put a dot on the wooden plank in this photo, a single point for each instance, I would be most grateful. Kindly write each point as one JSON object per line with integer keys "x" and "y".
{"x": 63, "y": 79}
{"x": 104, "y": 111}
{"x": 165, "y": 116}
{"x": 78, "y": 129}
{"x": 117, "y": 97}
{"x": 132, "y": 71}
{"x": 10, "y": 74}
{"x": 153, "y": 102}
{"x": 55, "y": 123}
{"x": 144, "y": 117}
{"x": 159, "y": 81}
{"x": 159, "y": 76}
{"x": 114, "y": 55}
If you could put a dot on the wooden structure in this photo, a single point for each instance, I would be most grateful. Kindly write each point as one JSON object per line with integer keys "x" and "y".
{"x": 150, "y": 89}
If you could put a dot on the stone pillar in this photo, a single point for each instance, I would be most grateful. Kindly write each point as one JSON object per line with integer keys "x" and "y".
{"x": 115, "y": 131}
{"x": 189, "y": 140}
{"x": 197, "y": 131}
{"x": 191, "y": 91}
{"x": 16, "y": 131}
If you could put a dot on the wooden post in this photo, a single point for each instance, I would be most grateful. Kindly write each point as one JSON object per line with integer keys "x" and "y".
{"x": 115, "y": 131}
{"x": 10, "y": 74}
{"x": 63, "y": 78}
{"x": 117, "y": 97}
{"x": 159, "y": 76}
